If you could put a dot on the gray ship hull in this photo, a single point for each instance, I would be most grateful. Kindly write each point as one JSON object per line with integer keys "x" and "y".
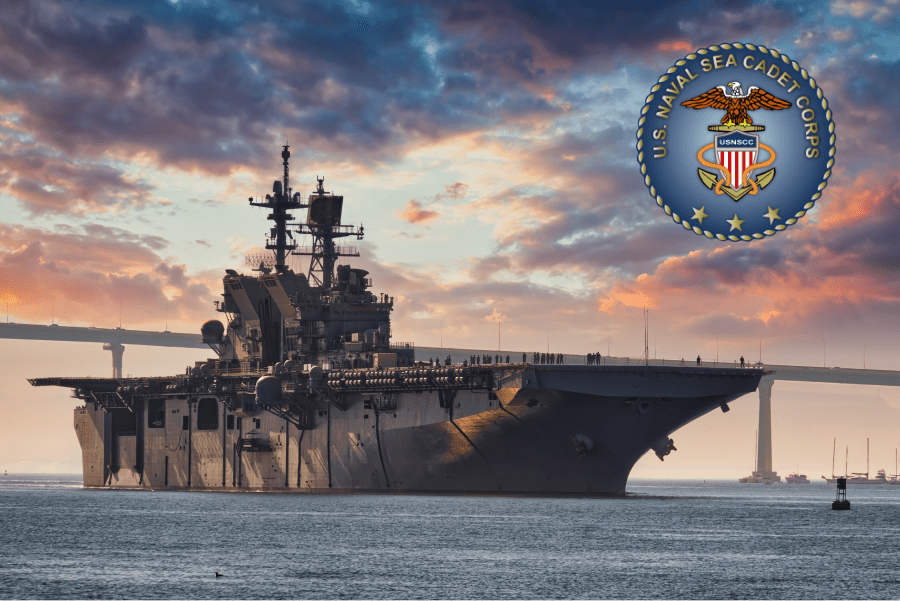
{"x": 552, "y": 430}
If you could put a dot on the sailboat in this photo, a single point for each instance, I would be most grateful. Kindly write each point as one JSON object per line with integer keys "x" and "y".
{"x": 833, "y": 478}
{"x": 895, "y": 479}
{"x": 756, "y": 477}
{"x": 860, "y": 477}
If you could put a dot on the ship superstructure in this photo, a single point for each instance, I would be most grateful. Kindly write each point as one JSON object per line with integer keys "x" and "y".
{"x": 308, "y": 392}
{"x": 328, "y": 317}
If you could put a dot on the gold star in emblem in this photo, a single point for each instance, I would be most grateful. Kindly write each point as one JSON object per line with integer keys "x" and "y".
{"x": 699, "y": 215}
{"x": 736, "y": 223}
{"x": 772, "y": 215}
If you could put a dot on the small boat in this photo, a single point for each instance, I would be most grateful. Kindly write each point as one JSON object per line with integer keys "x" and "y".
{"x": 796, "y": 478}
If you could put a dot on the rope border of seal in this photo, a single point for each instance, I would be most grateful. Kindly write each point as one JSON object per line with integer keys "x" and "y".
{"x": 828, "y": 167}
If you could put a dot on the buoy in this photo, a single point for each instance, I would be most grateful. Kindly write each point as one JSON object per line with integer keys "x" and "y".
{"x": 840, "y": 501}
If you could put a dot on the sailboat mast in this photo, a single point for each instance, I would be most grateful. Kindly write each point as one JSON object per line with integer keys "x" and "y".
{"x": 867, "y": 459}
{"x": 833, "y": 449}
{"x": 846, "y": 459}
{"x": 756, "y": 454}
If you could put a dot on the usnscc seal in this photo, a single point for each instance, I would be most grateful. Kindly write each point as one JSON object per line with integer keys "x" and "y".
{"x": 716, "y": 129}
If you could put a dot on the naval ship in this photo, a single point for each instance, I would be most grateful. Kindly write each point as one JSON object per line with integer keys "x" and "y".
{"x": 308, "y": 392}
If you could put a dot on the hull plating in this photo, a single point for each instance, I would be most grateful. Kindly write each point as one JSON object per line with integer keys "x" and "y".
{"x": 546, "y": 430}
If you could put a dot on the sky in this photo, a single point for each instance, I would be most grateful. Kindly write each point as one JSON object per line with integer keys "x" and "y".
{"x": 489, "y": 150}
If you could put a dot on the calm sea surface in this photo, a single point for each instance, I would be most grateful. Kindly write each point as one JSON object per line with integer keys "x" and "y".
{"x": 671, "y": 540}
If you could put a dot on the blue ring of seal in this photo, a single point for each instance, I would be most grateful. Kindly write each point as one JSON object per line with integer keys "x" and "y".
{"x": 675, "y": 184}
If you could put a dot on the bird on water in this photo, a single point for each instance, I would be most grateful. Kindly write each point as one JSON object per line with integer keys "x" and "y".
{"x": 219, "y": 575}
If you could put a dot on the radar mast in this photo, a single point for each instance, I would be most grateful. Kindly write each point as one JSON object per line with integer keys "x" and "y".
{"x": 323, "y": 223}
{"x": 280, "y": 202}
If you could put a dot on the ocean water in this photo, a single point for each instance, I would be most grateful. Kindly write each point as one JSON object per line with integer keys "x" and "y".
{"x": 667, "y": 540}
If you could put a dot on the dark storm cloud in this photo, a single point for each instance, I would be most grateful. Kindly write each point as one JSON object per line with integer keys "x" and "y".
{"x": 864, "y": 95}
{"x": 88, "y": 82}
{"x": 207, "y": 85}
{"x": 583, "y": 30}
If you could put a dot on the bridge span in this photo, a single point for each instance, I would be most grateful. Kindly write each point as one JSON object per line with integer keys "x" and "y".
{"x": 797, "y": 373}
{"x": 115, "y": 339}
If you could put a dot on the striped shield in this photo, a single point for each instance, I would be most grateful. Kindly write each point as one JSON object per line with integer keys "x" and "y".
{"x": 736, "y": 151}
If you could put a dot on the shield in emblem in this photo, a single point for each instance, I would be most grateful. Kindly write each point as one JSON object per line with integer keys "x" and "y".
{"x": 736, "y": 151}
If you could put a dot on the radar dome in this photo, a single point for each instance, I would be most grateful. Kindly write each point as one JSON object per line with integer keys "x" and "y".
{"x": 268, "y": 390}
{"x": 212, "y": 331}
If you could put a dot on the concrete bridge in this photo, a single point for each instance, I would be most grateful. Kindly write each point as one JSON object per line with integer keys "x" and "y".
{"x": 796, "y": 373}
{"x": 115, "y": 339}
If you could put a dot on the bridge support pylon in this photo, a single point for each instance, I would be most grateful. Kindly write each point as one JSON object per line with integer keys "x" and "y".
{"x": 764, "y": 452}
{"x": 118, "y": 349}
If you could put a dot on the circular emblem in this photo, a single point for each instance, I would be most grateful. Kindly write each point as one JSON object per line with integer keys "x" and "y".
{"x": 736, "y": 142}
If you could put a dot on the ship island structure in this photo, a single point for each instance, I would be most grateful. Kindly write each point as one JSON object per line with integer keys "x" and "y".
{"x": 308, "y": 392}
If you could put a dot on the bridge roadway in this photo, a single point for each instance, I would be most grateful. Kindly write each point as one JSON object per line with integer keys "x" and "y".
{"x": 794, "y": 373}
{"x": 115, "y": 340}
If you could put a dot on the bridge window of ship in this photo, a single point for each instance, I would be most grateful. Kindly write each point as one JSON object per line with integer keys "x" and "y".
{"x": 208, "y": 414}
{"x": 185, "y": 422}
{"x": 229, "y": 422}
{"x": 156, "y": 413}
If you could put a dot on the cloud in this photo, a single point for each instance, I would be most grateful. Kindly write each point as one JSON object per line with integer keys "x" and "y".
{"x": 44, "y": 181}
{"x": 211, "y": 87}
{"x": 865, "y": 9}
{"x": 203, "y": 88}
{"x": 863, "y": 93}
{"x": 454, "y": 191}
{"x": 93, "y": 93}
{"x": 430, "y": 303}
{"x": 837, "y": 274}
{"x": 88, "y": 273}
{"x": 504, "y": 38}
{"x": 414, "y": 213}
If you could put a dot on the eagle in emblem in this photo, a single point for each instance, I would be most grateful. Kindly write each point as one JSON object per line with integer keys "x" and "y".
{"x": 736, "y": 103}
